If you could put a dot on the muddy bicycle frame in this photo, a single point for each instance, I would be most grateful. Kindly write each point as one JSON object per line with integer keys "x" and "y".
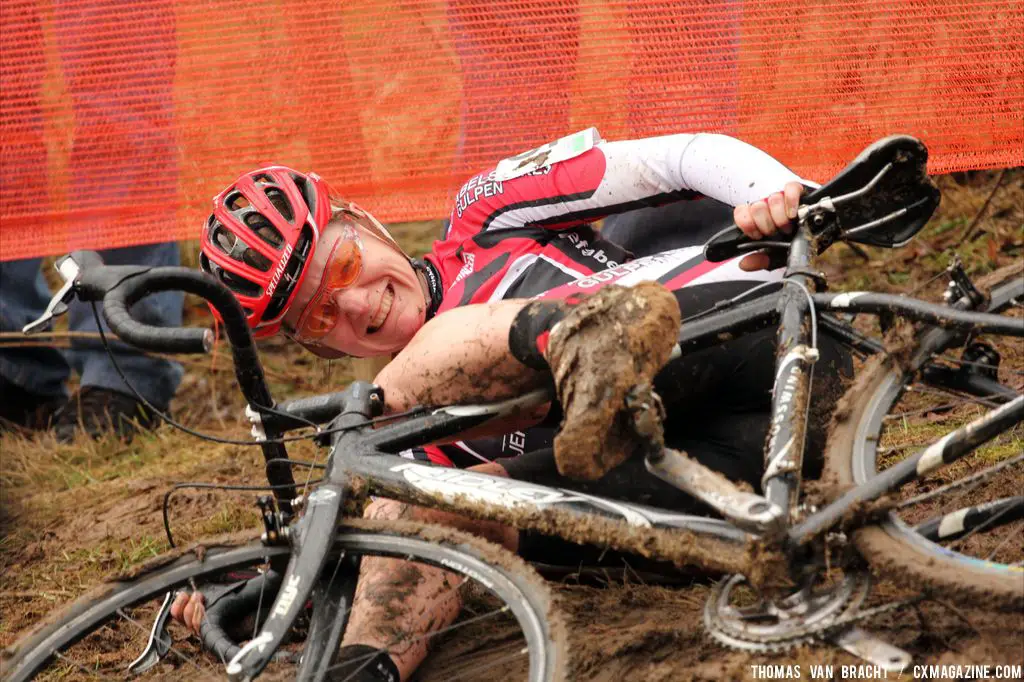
{"x": 363, "y": 457}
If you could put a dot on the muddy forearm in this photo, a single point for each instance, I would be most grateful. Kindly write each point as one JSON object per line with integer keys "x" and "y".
{"x": 461, "y": 356}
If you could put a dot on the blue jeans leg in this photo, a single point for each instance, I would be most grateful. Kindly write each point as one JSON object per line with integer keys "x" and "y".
{"x": 156, "y": 379}
{"x": 23, "y": 298}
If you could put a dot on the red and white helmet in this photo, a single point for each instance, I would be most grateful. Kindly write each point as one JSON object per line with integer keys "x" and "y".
{"x": 260, "y": 237}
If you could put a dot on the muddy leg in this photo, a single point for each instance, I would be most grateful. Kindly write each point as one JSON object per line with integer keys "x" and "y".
{"x": 398, "y": 604}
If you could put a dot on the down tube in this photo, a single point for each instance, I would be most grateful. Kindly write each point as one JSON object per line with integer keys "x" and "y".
{"x": 656, "y": 533}
{"x": 791, "y": 395}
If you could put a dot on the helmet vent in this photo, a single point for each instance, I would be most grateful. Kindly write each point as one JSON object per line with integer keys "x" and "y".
{"x": 225, "y": 239}
{"x": 264, "y": 230}
{"x": 256, "y": 260}
{"x": 239, "y": 285}
{"x": 307, "y": 192}
{"x": 280, "y": 202}
{"x": 236, "y": 201}
{"x": 263, "y": 177}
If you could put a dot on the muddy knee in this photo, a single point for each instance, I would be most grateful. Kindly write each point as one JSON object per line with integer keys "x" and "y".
{"x": 386, "y": 508}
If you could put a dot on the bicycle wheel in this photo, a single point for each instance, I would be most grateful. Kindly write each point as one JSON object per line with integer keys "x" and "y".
{"x": 958, "y": 530}
{"x": 103, "y": 632}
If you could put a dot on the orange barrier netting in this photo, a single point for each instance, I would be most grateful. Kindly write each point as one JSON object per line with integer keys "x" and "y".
{"x": 121, "y": 118}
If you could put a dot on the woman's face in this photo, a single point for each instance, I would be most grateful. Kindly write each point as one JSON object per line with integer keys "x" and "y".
{"x": 378, "y": 313}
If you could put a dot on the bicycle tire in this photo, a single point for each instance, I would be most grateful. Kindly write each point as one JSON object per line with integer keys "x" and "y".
{"x": 893, "y": 547}
{"x": 516, "y": 584}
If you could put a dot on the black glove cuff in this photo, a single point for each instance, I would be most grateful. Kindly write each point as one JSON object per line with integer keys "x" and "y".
{"x": 528, "y": 335}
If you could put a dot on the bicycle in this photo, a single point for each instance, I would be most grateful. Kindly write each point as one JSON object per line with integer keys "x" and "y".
{"x": 775, "y": 543}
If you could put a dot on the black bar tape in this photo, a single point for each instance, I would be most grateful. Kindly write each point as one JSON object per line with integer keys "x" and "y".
{"x": 135, "y": 285}
{"x": 215, "y": 639}
{"x": 531, "y": 326}
{"x": 149, "y": 337}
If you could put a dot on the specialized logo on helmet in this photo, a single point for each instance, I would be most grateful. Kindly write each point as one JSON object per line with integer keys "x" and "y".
{"x": 279, "y": 270}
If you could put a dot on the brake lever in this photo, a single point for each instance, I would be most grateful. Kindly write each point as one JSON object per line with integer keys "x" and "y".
{"x": 58, "y": 305}
{"x": 159, "y": 643}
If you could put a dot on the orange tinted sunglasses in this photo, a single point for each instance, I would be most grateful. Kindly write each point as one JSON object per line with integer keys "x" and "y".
{"x": 344, "y": 263}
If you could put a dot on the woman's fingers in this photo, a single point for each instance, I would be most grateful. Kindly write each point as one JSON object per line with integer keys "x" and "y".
{"x": 758, "y": 219}
{"x": 765, "y": 217}
{"x": 189, "y": 609}
{"x": 777, "y": 209}
{"x": 762, "y": 218}
{"x": 194, "y": 618}
{"x": 178, "y": 606}
{"x": 793, "y": 191}
{"x": 741, "y": 216}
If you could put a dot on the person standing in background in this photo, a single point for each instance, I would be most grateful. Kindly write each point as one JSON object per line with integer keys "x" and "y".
{"x": 122, "y": 155}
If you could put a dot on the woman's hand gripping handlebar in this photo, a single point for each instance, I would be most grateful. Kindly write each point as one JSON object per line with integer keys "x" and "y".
{"x": 882, "y": 198}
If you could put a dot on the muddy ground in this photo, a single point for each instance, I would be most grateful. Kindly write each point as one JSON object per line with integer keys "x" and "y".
{"x": 70, "y": 514}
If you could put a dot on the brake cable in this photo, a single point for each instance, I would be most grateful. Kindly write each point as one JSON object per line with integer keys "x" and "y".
{"x": 249, "y": 443}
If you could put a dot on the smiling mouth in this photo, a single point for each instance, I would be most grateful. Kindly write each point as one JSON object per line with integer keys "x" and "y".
{"x": 386, "y": 299}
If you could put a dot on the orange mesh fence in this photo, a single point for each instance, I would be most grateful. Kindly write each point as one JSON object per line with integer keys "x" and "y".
{"x": 121, "y": 118}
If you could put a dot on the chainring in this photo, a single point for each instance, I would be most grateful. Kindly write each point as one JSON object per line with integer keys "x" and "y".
{"x": 804, "y": 616}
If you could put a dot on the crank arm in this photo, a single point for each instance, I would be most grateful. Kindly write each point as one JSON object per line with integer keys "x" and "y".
{"x": 866, "y": 646}
{"x": 746, "y": 510}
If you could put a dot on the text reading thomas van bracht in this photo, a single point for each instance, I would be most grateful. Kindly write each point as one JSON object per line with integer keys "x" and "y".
{"x": 872, "y": 672}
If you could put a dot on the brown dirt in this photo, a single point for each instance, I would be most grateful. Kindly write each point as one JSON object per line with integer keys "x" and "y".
{"x": 71, "y": 514}
{"x": 614, "y": 341}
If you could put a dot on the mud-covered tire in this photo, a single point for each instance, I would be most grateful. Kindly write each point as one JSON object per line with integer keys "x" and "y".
{"x": 502, "y": 573}
{"x": 893, "y": 547}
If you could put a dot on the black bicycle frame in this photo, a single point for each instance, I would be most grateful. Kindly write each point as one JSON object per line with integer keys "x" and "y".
{"x": 363, "y": 458}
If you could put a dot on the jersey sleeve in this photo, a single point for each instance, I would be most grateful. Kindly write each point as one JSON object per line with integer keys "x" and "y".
{"x": 718, "y": 166}
{"x": 614, "y": 177}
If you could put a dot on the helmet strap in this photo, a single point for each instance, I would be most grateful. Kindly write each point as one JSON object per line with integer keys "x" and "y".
{"x": 433, "y": 284}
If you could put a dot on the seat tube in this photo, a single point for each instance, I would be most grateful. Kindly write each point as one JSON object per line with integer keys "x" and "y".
{"x": 794, "y": 360}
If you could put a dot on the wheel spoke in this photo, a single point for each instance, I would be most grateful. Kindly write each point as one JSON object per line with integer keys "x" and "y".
{"x": 981, "y": 526}
{"x": 973, "y": 480}
{"x": 961, "y": 400}
{"x": 1009, "y": 537}
{"x": 488, "y": 666}
{"x": 88, "y": 671}
{"x": 413, "y": 640}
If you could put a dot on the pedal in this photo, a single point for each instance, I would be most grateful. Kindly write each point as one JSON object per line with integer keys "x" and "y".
{"x": 866, "y": 646}
{"x": 746, "y": 510}
{"x": 159, "y": 640}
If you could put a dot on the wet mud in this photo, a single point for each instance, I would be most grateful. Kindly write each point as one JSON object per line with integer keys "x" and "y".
{"x": 610, "y": 343}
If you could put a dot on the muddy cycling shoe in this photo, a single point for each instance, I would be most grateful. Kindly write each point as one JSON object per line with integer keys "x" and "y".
{"x": 604, "y": 354}
{"x": 97, "y": 411}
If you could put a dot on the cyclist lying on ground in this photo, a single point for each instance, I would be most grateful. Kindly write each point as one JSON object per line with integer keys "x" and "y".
{"x": 331, "y": 277}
